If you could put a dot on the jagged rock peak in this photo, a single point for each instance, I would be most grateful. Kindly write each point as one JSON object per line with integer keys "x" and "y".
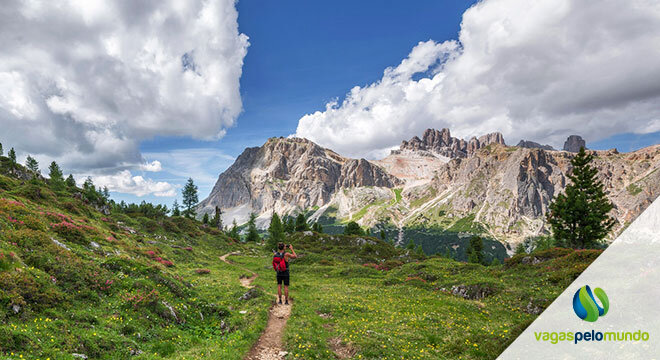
{"x": 441, "y": 142}
{"x": 574, "y": 143}
{"x": 533, "y": 145}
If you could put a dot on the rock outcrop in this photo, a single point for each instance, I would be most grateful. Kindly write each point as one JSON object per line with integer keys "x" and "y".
{"x": 533, "y": 145}
{"x": 440, "y": 142}
{"x": 574, "y": 143}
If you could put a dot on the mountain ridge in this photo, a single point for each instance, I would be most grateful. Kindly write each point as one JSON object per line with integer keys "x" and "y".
{"x": 437, "y": 181}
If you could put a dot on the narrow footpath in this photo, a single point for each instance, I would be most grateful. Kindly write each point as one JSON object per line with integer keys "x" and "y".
{"x": 269, "y": 345}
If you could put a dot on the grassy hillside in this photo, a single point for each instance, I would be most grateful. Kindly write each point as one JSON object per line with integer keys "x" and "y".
{"x": 73, "y": 280}
{"x": 140, "y": 285}
{"x": 361, "y": 297}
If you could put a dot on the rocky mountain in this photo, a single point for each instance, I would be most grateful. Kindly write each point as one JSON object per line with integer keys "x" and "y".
{"x": 434, "y": 182}
{"x": 287, "y": 175}
{"x": 533, "y": 145}
{"x": 443, "y": 144}
{"x": 574, "y": 143}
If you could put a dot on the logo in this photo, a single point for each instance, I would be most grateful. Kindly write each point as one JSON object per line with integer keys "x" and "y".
{"x": 585, "y": 305}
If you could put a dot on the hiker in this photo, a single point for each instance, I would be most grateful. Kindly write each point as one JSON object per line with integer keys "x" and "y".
{"x": 281, "y": 265}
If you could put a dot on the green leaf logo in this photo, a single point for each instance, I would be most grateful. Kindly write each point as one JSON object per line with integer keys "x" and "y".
{"x": 585, "y": 305}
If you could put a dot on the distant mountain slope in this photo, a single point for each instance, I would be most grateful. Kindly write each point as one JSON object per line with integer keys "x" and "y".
{"x": 476, "y": 186}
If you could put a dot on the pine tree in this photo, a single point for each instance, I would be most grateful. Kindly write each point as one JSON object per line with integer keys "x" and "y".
{"x": 289, "y": 226}
{"x": 12, "y": 157}
{"x": 275, "y": 231}
{"x": 301, "y": 223}
{"x": 353, "y": 228}
{"x": 190, "y": 198}
{"x": 233, "y": 233}
{"x": 105, "y": 193}
{"x": 495, "y": 262}
{"x": 218, "y": 218}
{"x": 579, "y": 217}
{"x": 71, "y": 182}
{"x": 317, "y": 227}
{"x": 475, "y": 252}
{"x": 411, "y": 245}
{"x": 32, "y": 164}
{"x": 520, "y": 249}
{"x": 1, "y": 151}
{"x": 56, "y": 178}
{"x": 89, "y": 190}
{"x": 382, "y": 235}
{"x": 176, "y": 209}
{"x": 205, "y": 219}
{"x": 252, "y": 234}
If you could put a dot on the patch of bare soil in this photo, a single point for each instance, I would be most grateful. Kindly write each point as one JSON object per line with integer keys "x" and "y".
{"x": 269, "y": 345}
{"x": 341, "y": 350}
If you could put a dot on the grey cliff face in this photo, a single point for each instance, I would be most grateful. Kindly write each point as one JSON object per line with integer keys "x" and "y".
{"x": 574, "y": 143}
{"x": 533, "y": 145}
{"x": 442, "y": 143}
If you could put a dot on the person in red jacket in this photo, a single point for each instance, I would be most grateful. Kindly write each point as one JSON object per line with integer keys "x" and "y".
{"x": 281, "y": 256}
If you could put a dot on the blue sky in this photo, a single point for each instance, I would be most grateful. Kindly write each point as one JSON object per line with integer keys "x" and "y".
{"x": 355, "y": 76}
{"x": 303, "y": 54}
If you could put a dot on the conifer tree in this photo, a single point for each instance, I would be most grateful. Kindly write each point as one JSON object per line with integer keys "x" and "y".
{"x": 475, "y": 252}
{"x": 12, "y": 157}
{"x": 176, "y": 209}
{"x": 252, "y": 234}
{"x": 579, "y": 217}
{"x": 190, "y": 198}
{"x": 89, "y": 190}
{"x": 289, "y": 226}
{"x": 70, "y": 181}
{"x": 105, "y": 193}
{"x": 205, "y": 219}
{"x": 233, "y": 233}
{"x": 411, "y": 245}
{"x": 382, "y": 235}
{"x": 217, "y": 220}
{"x": 275, "y": 231}
{"x": 520, "y": 249}
{"x": 353, "y": 228}
{"x": 1, "y": 151}
{"x": 56, "y": 178}
{"x": 301, "y": 223}
{"x": 32, "y": 164}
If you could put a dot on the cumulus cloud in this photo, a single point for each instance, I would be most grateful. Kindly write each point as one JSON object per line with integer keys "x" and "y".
{"x": 83, "y": 82}
{"x": 154, "y": 166}
{"x": 537, "y": 70}
{"x": 201, "y": 164}
{"x": 125, "y": 182}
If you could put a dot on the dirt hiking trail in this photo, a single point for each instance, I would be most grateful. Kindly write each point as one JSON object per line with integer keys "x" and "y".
{"x": 269, "y": 345}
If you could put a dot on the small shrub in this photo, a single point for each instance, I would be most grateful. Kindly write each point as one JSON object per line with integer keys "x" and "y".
{"x": 389, "y": 265}
{"x": 71, "y": 232}
{"x": 139, "y": 298}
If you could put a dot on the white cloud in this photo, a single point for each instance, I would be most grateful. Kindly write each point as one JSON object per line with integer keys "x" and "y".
{"x": 125, "y": 182}
{"x": 83, "y": 82}
{"x": 203, "y": 165}
{"x": 538, "y": 70}
{"x": 153, "y": 166}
